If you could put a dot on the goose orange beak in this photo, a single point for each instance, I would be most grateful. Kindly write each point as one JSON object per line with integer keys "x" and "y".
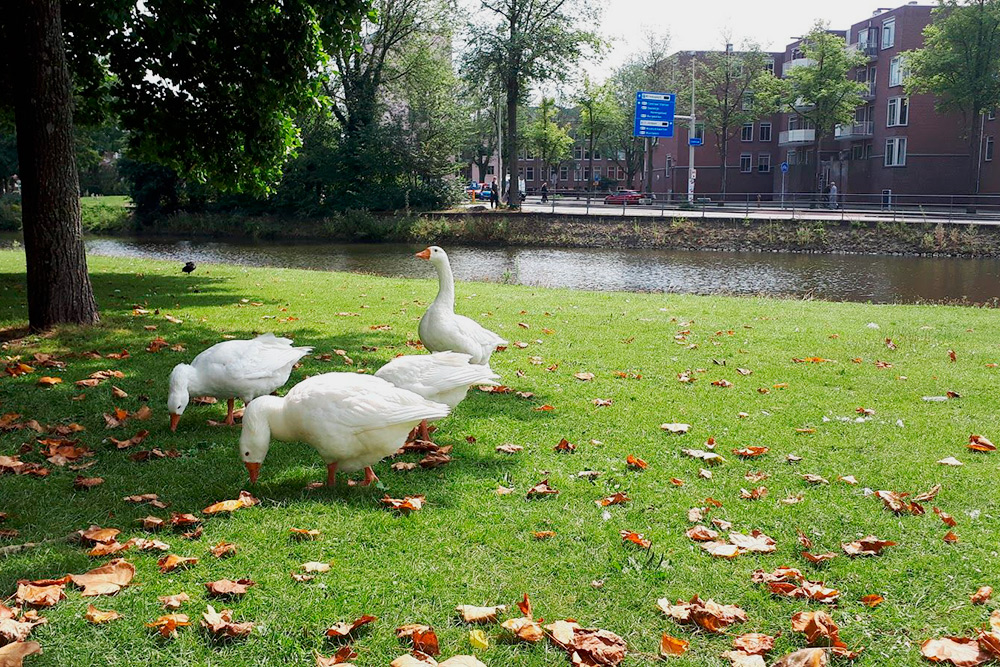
{"x": 254, "y": 470}
{"x": 424, "y": 254}
{"x": 174, "y": 419}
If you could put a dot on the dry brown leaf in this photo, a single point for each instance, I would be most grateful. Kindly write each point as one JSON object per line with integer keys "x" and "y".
{"x": 13, "y": 654}
{"x": 982, "y": 595}
{"x": 616, "y": 499}
{"x": 807, "y": 657}
{"x": 636, "y": 462}
{"x": 635, "y": 538}
{"x": 228, "y": 587}
{"x": 96, "y": 616}
{"x": 707, "y": 614}
{"x": 672, "y": 646}
{"x": 105, "y": 580}
{"x": 754, "y": 643}
{"x": 173, "y": 561}
{"x": 472, "y": 614}
{"x": 592, "y": 646}
{"x": 405, "y": 505}
{"x": 167, "y": 625}
{"x": 173, "y": 601}
{"x": 221, "y": 623}
{"x": 980, "y": 443}
{"x": 341, "y": 657}
{"x": 867, "y": 546}
{"x": 958, "y": 651}
{"x": 304, "y": 533}
{"x": 342, "y": 629}
{"x": 524, "y": 628}
{"x": 223, "y": 549}
{"x": 872, "y": 600}
{"x": 541, "y": 489}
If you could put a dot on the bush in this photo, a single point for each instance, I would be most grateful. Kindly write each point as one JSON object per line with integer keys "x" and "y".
{"x": 10, "y": 212}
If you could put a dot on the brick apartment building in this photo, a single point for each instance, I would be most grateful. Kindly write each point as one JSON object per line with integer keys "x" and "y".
{"x": 898, "y": 145}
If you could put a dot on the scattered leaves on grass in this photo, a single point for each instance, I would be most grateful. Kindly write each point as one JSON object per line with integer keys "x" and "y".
{"x": 339, "y": 658}
{"x": 950, "y": 537}
{"x": 701, "y": 534}
{"x": 806, "y": 657}
{"x": 586, "y": 377}
{"x": 710, "y": 458}
{"x": 509, "y": 448}
{"x": 982, "y": 595}
{"x": 47, "y": 381}
{"x": 635, "y": 462}
{"x": 98, "y": 535}
{"x": 819, "y": 628}
{"x": 676, "y": 428}
{"x": 180, "y": 520}
{"x": 753, "y": 494}
{"x": 81, "y": 482}
{"x": 670, "y": 646}
{"x": 13, "y": 654}
{"x": 303, "y": 533}
{"x": 978, "y": 443}
{"x": 565, "y": 446}
{"x": 423, "y": 637}
{"x": 872, "y": 600}
{"x": 748, "y": 452}
{"x": 150, "y": 498}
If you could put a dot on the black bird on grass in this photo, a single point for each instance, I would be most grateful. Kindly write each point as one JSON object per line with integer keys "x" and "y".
{"x": 189, "y": 267}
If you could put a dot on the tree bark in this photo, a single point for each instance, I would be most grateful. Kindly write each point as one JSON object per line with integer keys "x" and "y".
{"x": 59, "y": 290}
{"x": 514, "y": 189}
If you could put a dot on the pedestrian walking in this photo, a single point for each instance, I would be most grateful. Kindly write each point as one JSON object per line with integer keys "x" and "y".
{"x": 545, "y": 192}
{"x": 494, "y": 197}
{"x": 833, "y": 195}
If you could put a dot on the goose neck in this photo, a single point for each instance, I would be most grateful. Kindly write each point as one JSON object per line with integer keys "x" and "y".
{"x": 446, "y": 285}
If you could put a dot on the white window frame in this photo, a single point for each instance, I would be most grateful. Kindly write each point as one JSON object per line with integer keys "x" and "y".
{"x": 792, "y": 157}
{"x": 760, "y": 132}
{"x": 862, "y": 42}
{"x": 669, "y": 165}
{"x": 899, "y": 65}
{"x": 988, "y": 153}
{"x": 888, "y": 29}
{"x": 744, "y": 135}
{"x": 597, "y": 173}
{"x": 764, "y": 163}
{"x": 529, "y": 174}
{"x": 896, "y": 155}
{"x": 746, "y": 163}
{"x": 769, "y": 65}
{"x": 897, "y": 112}
{"x": 577, "y": 152}
{"x": 564, "y": 173}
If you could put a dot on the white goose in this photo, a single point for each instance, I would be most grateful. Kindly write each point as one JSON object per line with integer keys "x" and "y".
{"x": 243, "y": 369}
{"x": 442, "y": 377}
{"x": 352, "y": 420}
{"x": 441, "y": 330}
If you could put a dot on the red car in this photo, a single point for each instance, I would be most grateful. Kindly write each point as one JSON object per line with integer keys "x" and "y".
{"x": 627, "y": 197}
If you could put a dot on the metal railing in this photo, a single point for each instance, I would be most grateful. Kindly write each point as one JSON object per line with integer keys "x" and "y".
{"x": 882, "y": 206}
{"x": 854, "y": 130}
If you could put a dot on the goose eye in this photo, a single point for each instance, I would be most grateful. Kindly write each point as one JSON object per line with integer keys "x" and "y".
{"x": 246, "y": 453}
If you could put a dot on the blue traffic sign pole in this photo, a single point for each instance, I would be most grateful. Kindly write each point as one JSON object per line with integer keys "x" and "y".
{"x": 784, "y": 170}
{"x": 654, "y": 117}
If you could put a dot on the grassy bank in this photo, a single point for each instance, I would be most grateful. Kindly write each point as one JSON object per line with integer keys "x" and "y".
{"x": 470, "y": 545}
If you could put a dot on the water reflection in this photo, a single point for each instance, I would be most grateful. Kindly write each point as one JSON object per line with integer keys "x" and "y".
{"x": 879, "y": 279}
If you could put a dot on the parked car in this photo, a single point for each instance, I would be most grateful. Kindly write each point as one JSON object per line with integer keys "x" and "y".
{"x": 626, "y": 197}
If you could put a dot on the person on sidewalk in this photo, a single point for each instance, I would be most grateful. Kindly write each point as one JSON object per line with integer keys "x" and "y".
{"x": 833, "y": 195}
{"x": 545, "y": 192}
{"x": 494, "y": 197}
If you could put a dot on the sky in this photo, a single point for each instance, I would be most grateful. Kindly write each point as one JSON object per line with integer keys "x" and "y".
{"x": 702, "y": 24}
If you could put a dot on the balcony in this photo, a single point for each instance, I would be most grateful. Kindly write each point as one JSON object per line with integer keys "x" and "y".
{"x": 802, "y": 106}
{"x": 854, "y": 131}
{"x": 869, "y": 93}
{"x": 797, "y": 137}
{"x": 789, "y": 65}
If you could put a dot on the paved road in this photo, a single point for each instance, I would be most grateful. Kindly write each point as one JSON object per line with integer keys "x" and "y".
{"x": 765, "y": 211}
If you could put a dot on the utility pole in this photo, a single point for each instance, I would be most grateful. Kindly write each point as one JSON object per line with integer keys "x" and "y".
{"x": 498, "y": 178}
{"x": 692, "y": 174}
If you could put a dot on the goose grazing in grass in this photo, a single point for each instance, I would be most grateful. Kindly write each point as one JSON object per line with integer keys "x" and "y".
{"x": 441, "y": 330}
{"x": 352, "y": 420}
{"x": 243, "y": 369}
{"x": 442, "y": 377}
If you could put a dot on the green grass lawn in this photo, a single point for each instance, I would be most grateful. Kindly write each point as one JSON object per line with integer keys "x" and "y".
{"x": 471, "y": 546}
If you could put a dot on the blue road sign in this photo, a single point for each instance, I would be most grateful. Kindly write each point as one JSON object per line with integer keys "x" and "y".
{"x": 695, "y": 141}
{"x": 654, "y": 114}
{"x": 784, "y": 167}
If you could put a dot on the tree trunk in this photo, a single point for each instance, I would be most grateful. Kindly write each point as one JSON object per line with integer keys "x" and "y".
{"x": 590, "y": 160}
{"x": 59, "y": 290}
{"x": 649, "y": 165}
{"x": 725, "y": 157}
{"x": 514, "y": 190}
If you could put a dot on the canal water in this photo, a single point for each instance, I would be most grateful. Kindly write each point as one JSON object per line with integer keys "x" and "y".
{"x": 875, "y": 278}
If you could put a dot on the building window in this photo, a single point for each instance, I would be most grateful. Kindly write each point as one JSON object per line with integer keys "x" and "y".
{"x": 746, "y": 163}
{"x": 670, "y": 164}
{"x": 862, "y": 38}
{"x": 888, "y": 33}
{"x": 989, "y": 149}
{"x": 576, "y": 174}
{"x": 898, "y": 111}
{"x": 895, "y": 152}
{"x": 769, "y": 65}
{"x": 529, "y": 174}
{"x": 563, "y": 173}
{"x": 597, "y": 173}
{"x": 699, "y": 131}
{"x": 764, "y": 162}
{"x": 489, "y": 170}
{"x": 765, "y": 132}
{"x": 792, "y": 158}
{"x": 746, "y": 134}
{"x": 577, "y": 152}
{"x": 991, "y": 114}
{"x": 857, "y": 151}
{"x": 747, "y": 102}
{"x": 897, "y": 71}
{"x": 586, "y": 173}
{"x": 597, "y": 153}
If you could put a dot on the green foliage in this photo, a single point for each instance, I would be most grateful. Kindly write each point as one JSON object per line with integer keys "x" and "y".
{"x": 10, "y": 212}
{"x": 960, "y": 59}
{"x": 724, "y": 92}
{"x": 544, "y": 136}
{"x": 105, "y": 214}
